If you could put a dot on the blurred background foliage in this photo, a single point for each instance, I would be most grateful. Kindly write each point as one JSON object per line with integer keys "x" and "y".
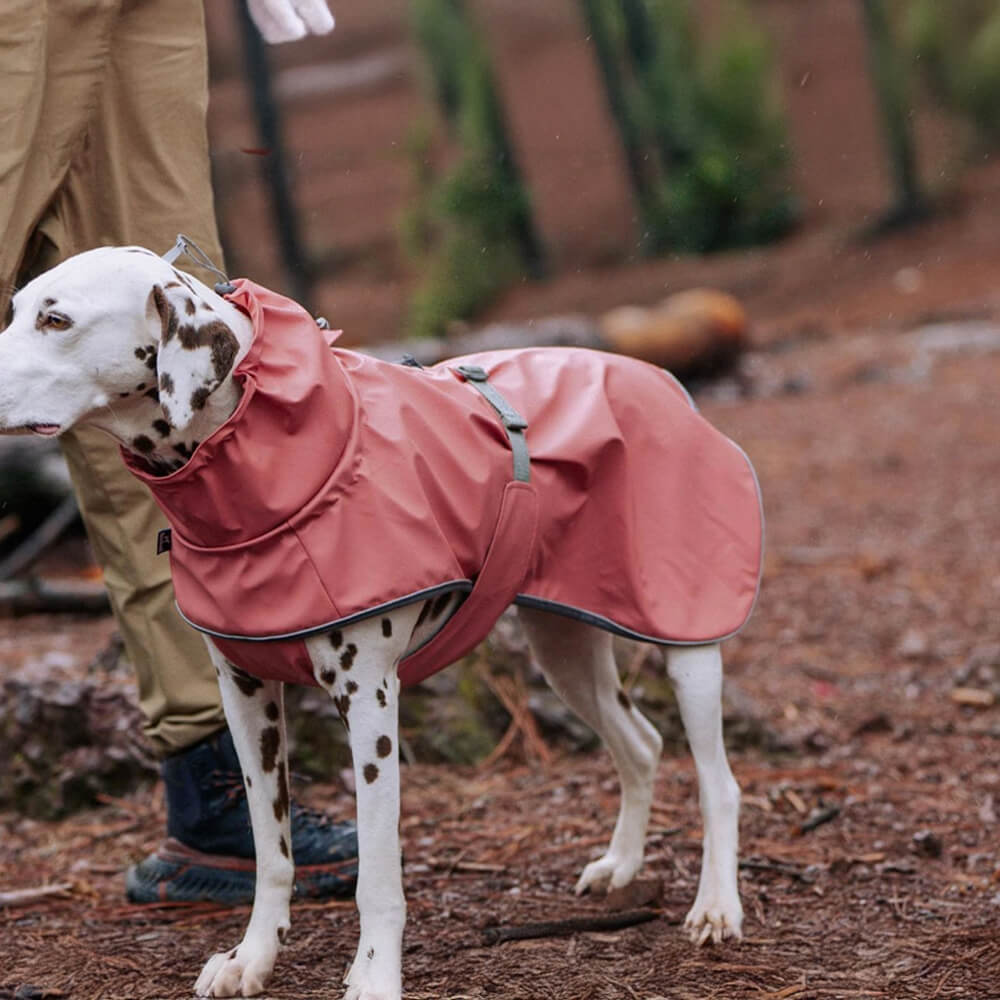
{"x": 694, "y": 97}
{"x": 957, "y": 51}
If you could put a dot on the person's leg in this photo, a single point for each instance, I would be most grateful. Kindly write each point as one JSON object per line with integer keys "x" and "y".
{"x": 135, "y": 170}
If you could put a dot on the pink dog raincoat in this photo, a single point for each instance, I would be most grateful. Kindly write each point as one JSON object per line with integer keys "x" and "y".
{"x": 344, "y": 486}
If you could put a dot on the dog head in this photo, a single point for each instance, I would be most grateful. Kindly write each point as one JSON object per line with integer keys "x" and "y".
{"x": 118, "y": 338}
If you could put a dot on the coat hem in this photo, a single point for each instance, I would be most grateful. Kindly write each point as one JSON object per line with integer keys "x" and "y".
{"x": 522, "y": 600}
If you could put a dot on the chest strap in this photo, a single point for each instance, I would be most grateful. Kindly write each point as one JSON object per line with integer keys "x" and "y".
{"x": 508, "y": 559}
{"x": 513, "y": 423}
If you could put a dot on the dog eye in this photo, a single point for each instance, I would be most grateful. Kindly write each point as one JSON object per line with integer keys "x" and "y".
{"x": 53, "y": 321}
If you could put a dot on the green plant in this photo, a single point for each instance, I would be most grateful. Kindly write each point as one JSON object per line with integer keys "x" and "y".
{"x": 471, "y": 227}
{"x": 704, "y": 132}
{"x": 731, "y": 187}
{"x": 956, "y": 48}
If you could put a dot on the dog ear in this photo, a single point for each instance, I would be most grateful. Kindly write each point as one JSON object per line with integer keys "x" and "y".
{"x": 196, "y": 351}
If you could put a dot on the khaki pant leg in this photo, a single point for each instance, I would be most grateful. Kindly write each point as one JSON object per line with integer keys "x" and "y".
{"x": 138, "y": 173}
{"x": 178, "y": 689}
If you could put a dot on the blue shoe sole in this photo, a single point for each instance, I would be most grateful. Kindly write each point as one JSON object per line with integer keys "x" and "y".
{"x": 176, "y": 873}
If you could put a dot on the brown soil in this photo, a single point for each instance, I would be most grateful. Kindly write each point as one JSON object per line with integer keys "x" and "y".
{"x": 876, "y": 450}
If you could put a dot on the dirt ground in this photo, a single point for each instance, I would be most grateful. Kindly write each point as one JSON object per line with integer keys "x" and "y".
{"x": 877, "y": 459}
{"x": 870, "y": 843}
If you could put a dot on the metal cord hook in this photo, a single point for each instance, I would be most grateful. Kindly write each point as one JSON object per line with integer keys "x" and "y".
{"x": 187, "y": 246}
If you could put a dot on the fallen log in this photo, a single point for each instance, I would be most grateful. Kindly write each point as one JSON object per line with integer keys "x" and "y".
{"x": 35, "y": 596}
{"x": 696, "y": 332}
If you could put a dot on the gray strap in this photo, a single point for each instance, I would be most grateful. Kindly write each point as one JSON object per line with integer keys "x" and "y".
{"x": 187, "y": 246}
{"x": 514, "y": 424}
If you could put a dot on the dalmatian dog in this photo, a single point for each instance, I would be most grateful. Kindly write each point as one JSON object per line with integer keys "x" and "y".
{"x": 121, "y": 340}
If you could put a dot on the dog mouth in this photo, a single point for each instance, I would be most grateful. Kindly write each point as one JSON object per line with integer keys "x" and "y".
{"x": 43, "y": 430}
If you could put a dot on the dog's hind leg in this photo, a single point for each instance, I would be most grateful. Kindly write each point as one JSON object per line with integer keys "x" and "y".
{"x": 696, "y": 673}
{"x": 579, "y": 664}
{"x": 255, "y": 713}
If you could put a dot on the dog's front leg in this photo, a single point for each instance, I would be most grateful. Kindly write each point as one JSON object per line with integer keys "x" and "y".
{"x": 255, "y": 713}
{"x": 358, "y": 668}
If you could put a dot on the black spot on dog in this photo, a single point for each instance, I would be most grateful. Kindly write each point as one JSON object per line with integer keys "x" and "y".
{"x": 167, "y": 313}
{"x": 370, "y": 772}
{"x": 232, "y": 954}
{"x": 184, "y": 280}
{"x": 124, "y": 395}
{"x": 623, "y": 700}
{"x": 351, "y": 687}
{"x": 166, "y": 383}
{"x": 440, "y": 603}
{"x": 189, "y": 307}
{"x": 380, "y": 697}
{"x": 383, "y": 746}
{"x": 272, "y": 711}
{"x": 188, "y": 335}
{"x": 173, "y": 284}
{"x": 328, "y": 676}
{"x": 247, "y": 683}
{"x": 283, "y": 846}
{"x": 270, "y": 744}
{"x": 185, "y": 450}
{"x": 336, "y": 638}
{"x": 249, "y": 781}
{"x": 151, "y": 361}
{"x": 217, "y": 337}
{"x": 143, "y": 444}
{"x": 224, "y": 346}
{"x": 153, "y": 394}
{"x": 387, "y": 627}
{"x": 281, "y": 803}
{"x": 200, "y": 397}
{"x": 343, "y": 705}
{"x": 347, "y": 656}
{"x": 161, "y": 427}
{"x": 141, "y": 387}
{"x": 371, "y": 954}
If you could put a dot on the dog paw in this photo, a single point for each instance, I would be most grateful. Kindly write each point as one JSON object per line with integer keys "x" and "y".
{"x": 715, "y": 919}
{"x": 229, "y": 974}
{"x": 369, "y": 979}
{"x": 361, "y": 993}
{"x": 609, "y": 872}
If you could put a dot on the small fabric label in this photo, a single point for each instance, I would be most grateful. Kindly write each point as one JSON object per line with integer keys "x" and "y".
{"x": 163, "y": 541}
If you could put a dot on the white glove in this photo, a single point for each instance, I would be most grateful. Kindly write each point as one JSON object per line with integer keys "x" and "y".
{"x": 287, "y": 20}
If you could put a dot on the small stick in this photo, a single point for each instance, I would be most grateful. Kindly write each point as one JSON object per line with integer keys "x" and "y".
{"x": 19, "y": 897}
{"x": 574, "y": 925}
{"x": 818, "y": 818}
{"x": 781, "y": 867}
{"x": 465, "y": 866}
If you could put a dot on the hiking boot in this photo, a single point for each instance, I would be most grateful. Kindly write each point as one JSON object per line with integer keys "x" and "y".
{"x": 209, "y": 852}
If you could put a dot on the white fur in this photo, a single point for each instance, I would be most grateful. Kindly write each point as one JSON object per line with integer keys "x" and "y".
{"x": 53, "y": 380}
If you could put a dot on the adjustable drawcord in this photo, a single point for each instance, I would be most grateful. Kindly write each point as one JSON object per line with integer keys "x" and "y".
{"x": 188, "y": 247}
